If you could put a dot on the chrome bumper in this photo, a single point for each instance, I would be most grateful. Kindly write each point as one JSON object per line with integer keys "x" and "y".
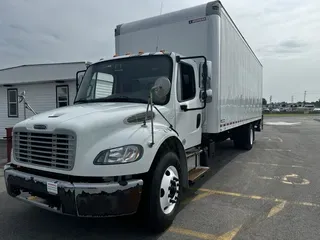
{"x": 77, "y": 199}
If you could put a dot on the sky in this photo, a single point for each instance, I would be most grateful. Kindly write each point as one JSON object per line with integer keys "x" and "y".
{"x": 282, "y": 33}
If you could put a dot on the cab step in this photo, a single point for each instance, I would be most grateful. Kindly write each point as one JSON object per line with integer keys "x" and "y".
{"x": 196, "y": 173}
{"x": 193, "y": 158}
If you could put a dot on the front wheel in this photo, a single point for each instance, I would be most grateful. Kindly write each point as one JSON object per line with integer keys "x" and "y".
{"x": 163, "y": 193}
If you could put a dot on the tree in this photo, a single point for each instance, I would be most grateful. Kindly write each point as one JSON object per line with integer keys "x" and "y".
{"x": 264, "y": 101}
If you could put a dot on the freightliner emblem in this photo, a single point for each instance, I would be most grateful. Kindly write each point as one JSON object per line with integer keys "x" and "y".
{"x": 40, "y": 126}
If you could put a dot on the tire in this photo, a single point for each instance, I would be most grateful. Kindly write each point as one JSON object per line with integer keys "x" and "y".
{"x": 164, "y": 185}
{"x": 244, "y": 137}
{"x": 260, "y": 125}
{"x": 248, "y": 137}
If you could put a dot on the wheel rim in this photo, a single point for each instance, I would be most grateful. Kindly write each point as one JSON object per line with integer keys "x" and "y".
{"x": 251, "y": 136}
{"x": 169, "y": 190}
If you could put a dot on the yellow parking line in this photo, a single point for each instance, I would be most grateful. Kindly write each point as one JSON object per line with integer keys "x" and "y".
{"x": 276, "y": 209}
{"x": 257, "y": 197}
{"x": 272, "y": 164}
{"x": 197, "y": 197}
{"x": 201, "y": 195}
{"x": 306, "y": 204}
{"x": 229, "y": 235}
{"x": 190, "y": 233}
{"x": 207, "y": 236}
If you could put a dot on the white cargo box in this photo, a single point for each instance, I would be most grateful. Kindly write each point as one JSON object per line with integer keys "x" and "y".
{"x": 205, "y": 30}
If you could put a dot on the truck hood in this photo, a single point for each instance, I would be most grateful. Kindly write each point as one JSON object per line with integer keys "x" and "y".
{"x": 93, "y": 128}
{"x": 84, "y": 116}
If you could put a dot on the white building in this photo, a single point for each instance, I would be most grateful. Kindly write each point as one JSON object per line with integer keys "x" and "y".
{"x": 47, "y": 86}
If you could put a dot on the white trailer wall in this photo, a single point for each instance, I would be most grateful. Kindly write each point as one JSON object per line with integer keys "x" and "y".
{"x": 171, "y": 32}
{"x": 240, "y": 78}
{"x": 205, "y": 30}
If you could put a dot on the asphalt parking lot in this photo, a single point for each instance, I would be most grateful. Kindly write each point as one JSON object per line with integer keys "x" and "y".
{"x": 270, "y": 192}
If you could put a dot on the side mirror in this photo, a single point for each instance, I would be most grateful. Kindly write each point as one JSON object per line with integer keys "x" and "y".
{"x": 184, "y": 107}
{"x": 79, "y": 78}
{"x": 161, "y": 87}
{"x": 209, "y": 95}
{"x": 208, "y": 82}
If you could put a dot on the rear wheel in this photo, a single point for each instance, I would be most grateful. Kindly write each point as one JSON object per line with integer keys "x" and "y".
{"x": 259, "y": 126}
{"x": 163, "y": 193}
{"x": 244, "y": 137}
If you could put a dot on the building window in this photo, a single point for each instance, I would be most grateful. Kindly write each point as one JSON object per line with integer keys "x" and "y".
{"x": 186, "y": 83}
{"x": 12, "y": 96}
{"x": 62, "y": 96}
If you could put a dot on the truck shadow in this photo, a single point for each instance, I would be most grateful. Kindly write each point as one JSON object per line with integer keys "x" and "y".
{"x": 41, "y": 224}
{"x": 225, "y": 154}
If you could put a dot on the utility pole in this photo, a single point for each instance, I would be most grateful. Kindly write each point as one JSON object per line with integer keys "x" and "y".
{"x": 270, "y": 100}
{"x": 304, "y": 99}
{"x": 161, "y": 8}
{"x": 292, "y": 99}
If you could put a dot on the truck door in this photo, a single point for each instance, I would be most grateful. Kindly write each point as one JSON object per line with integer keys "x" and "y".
{"x": 188, "y": 123}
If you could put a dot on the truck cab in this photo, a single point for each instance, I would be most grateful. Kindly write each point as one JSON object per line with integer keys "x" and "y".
{"x": 121, "y": 147}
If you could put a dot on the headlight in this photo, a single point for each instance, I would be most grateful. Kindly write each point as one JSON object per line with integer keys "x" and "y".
{"x": 119, "y": 155}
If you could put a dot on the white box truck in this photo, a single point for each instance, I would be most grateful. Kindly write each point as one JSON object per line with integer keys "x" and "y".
{"x": 145, "y": 122}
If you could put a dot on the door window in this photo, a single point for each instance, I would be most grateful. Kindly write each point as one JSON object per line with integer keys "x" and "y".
{"x": 186, "y": 83}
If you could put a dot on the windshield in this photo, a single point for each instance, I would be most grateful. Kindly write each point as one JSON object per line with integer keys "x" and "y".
{"x": 124, "y": 80}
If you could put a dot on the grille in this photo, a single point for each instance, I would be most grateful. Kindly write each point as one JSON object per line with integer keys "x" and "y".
{"x": 45, "y": 149}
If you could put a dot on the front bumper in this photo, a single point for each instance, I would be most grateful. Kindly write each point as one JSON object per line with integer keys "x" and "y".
{"x": 77, "y": 199}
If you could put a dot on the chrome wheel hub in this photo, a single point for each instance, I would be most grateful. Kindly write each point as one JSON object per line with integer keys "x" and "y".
{"x": 251, "y": 136}
{"x": 169, "y": 190}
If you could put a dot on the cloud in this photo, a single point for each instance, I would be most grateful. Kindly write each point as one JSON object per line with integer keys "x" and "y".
{"x": 48, "y": 31}
{"x": 291, "y": 44}
{"x": 289, "y": 48}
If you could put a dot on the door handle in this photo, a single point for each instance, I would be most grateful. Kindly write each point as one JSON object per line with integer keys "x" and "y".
{"x": 184, "y": 108}
{"x": 198, "y": 120}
